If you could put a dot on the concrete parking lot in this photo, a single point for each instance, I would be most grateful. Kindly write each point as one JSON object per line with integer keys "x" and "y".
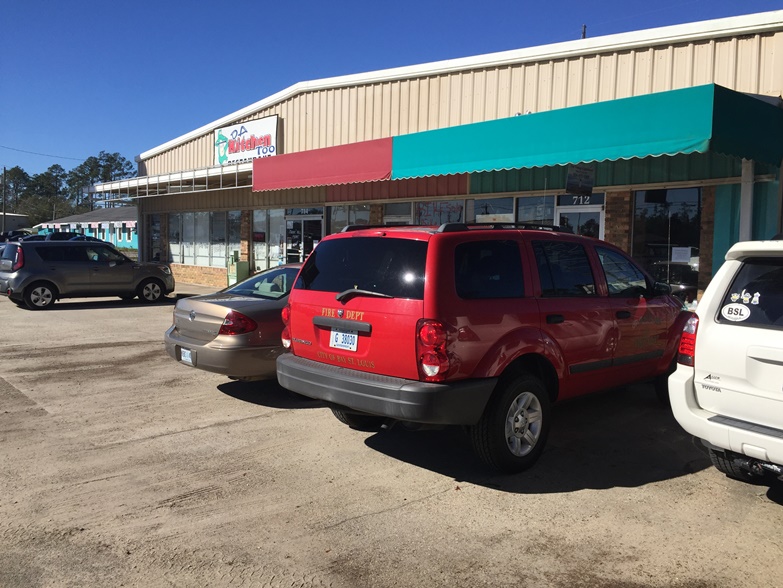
{"x": 120, "y": 467}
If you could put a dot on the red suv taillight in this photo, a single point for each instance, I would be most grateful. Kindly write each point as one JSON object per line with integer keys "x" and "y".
{"x": 686, "y": 354}
{"x": 285, "y": 314}
{"x": 237, "y": 323}
{"x": 431, "y": 350}
{"x": 19, "y": 261}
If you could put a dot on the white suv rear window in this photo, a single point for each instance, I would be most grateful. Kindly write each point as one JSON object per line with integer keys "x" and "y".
{"x": 755, "y": 297}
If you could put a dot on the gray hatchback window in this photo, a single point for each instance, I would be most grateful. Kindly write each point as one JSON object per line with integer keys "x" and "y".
{"x": 62, "y": 253}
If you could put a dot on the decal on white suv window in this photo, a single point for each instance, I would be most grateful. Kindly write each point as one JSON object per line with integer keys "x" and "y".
{"x": 735, "y": 312}
{"x": 745, "y": 297}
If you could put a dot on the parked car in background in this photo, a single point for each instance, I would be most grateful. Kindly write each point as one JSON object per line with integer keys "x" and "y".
{"x": 61, "y": 235}
{"x": 728, "y": 387}
{"x": 236, "y": 331}
{"x": 483, "y": 326}
{"x": 14, "y": 235}
{"x": 80, "y": 237}
{"x": 681, "y": 276}
{"x": 37, "y": 273}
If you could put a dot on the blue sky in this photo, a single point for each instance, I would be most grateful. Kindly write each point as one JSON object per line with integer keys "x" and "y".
{"x": 81, "y": 77}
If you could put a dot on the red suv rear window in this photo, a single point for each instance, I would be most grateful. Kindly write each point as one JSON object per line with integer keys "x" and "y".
{"x": 382, "y": 265}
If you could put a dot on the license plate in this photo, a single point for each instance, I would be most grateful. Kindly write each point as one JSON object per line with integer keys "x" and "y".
{"x": 186, "y": 355}
{"x": 342, "y": 339}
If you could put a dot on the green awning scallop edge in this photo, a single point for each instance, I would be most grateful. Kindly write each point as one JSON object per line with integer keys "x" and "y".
{"x": 689, "y": 120}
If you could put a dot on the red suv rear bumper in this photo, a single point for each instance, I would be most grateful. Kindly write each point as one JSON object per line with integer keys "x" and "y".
{"x": 452, "y": 403}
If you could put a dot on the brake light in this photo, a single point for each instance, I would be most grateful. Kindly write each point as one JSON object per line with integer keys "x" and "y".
{"x": 285, "y": 314}
{"x": 237, "y": 323}
{"x": 431, "y": 350}
{"x": 686, "y": 354}
{"x": 19, "y": 262}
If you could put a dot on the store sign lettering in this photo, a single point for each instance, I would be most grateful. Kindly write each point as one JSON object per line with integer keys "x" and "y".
{"x": 246, "y": 141}
{"x": 261, "y": 145}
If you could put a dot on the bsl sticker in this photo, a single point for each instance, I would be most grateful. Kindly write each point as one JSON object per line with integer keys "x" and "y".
{"x": 735, "y": 312}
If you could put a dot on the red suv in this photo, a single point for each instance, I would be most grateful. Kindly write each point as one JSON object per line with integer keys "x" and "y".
{"x": 484, "y": 326}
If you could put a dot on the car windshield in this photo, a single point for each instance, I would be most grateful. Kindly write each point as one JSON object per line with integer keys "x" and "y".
{"x": 755, "y": 297}
{"x": 270, "y": 284}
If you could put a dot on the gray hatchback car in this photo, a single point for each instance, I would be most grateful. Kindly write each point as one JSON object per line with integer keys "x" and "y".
{"x": 37, "y": 273}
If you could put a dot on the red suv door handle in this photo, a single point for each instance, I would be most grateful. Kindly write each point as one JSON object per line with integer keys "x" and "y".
{"x": 623, "y": 314}
{"x": 554, "y": 319}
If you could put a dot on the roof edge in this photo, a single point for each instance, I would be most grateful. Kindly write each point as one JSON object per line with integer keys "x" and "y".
{"x": 728, "y": 26}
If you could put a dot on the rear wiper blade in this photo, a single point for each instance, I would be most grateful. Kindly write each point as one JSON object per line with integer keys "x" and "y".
{"x": 359, "y": 292}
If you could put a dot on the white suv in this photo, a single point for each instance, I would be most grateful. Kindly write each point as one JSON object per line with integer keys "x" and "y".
{"x": 728, "y": 386}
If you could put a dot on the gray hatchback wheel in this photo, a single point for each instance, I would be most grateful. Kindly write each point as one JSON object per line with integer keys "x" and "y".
{"x": 150, "y": 291}
{"x": 40, "y": 295}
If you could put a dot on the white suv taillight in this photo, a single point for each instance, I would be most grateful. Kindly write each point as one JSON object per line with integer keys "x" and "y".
{"x": 431, "y": 350}
{"x": 285, "y": 314}
{"x": 686, "y": 354}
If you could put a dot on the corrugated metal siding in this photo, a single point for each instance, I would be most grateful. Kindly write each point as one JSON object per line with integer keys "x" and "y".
{"x": 336, "y": 116}
{"x": 233, "y": 199}
{"x": 695, "y": 167}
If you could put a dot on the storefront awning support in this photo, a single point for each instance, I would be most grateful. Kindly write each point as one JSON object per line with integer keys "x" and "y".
{"x": 746, "y": 201}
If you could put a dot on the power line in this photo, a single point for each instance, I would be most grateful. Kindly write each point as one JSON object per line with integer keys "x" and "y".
{"x": 42, "y": 154}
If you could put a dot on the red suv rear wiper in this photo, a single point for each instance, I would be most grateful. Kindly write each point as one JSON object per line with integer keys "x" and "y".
{"x": 359, "y": 292}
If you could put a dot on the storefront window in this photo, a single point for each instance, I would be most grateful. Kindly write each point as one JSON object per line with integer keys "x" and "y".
{"x": 276, "y": 239}
{"x": 202, "y": 238}
{"x": 154, "y": 233}
{"x": 217, "y": 239}
{"x": 397, "y": 213}
{"x": 234, "y": 218}
{"x": 666, "y": 232}
{"x": 342, "y": 216}
{"x": 437, "y": 213}
{"x": 175, "y": 238}
{"x": 536, "y": 209}
{"x": 188, "y": 238}
{"x": 259, "y": 239}
{"x": 490, "y": 210}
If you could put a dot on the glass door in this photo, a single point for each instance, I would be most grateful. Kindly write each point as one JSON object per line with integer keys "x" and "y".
{"x": 302, "y": 235}
{"x": 582, "y": 220}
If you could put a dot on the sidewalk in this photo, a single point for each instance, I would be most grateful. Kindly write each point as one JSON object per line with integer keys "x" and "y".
{"x": 183, "y": 290}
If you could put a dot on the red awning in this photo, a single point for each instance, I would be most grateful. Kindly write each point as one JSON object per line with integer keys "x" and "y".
{"x": 356, "y": 162}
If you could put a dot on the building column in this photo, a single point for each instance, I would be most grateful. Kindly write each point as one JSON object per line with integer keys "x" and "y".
{"x": 746, "y": 201}
{"x": 706, "y": 238}
{"x": 618, "y": 219}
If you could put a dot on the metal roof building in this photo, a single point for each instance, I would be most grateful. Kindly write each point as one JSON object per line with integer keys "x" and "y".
{"x": 666, "y": 142}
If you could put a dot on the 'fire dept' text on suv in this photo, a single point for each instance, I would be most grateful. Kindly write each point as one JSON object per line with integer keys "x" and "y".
{"x": 484, "y": 326}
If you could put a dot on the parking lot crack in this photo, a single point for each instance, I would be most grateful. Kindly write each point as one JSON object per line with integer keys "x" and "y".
{"x": 398, "y": 507}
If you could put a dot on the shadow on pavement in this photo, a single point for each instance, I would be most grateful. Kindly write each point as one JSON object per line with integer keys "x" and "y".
{"x": 267, "y": 393}
{"x": 621, "y": 438}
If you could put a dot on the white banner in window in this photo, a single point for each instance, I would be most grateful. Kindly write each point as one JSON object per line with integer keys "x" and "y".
{"x": 246, "y": 141}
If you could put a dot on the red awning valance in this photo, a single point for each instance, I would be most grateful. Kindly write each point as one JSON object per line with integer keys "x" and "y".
{"x": 356, "y": 162}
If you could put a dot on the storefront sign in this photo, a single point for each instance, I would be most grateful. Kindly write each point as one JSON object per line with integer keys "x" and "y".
{"x": 580, "y": 179}
{"x": 246, "y": 141}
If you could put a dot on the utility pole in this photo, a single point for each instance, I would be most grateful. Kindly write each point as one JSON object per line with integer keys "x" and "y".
{"x": 3, "y": 229}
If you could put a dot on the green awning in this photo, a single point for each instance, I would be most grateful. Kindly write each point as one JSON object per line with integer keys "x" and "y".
{"x": 690, "y": 120}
